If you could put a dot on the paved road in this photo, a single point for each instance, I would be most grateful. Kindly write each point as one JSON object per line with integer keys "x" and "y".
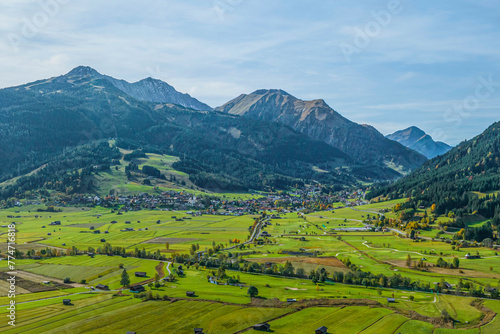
{"x": 254, "y": 235}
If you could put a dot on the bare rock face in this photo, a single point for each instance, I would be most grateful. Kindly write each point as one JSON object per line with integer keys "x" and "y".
{"x": 317, "y": 120}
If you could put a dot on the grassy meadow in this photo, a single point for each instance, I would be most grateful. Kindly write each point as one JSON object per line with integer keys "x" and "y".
{"x": 227, "y": 308}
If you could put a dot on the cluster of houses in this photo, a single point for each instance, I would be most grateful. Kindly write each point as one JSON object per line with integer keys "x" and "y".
{"x": 171, "y": 199}
{"x": 182, "y": 200}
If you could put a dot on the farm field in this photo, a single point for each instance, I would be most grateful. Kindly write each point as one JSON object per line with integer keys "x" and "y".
{"x": 311, "y": 243}
{"x": 118, "y": 314}
{"x": 78, "y": 228}
{"x": 344, "y": 320}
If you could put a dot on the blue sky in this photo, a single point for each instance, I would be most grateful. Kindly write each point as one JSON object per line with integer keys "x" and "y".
{"x": 391, "y": 64}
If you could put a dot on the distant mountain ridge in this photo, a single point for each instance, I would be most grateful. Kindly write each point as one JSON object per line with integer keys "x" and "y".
{"x": 416, "y": 139}
{"x": 450, "y": 181}
{"x": 149, "y": 89}
{"x": 42, "y": 120}
{"x": 319, "y": 121}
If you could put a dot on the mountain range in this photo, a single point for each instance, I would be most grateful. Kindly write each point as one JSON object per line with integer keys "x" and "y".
{"x": 418, "y": 140}
{"x": 149, "y": 89}
{"x": 39, "y": 121}
{"x": 319, "y": 121}
{"x": 264, "y": 140}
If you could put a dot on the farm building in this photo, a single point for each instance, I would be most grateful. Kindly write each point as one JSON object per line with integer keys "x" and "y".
{"x": 140, "y": 274}
{"x": 264, "y": 327}
{"x": 190, "y": 293}
{"x": 102, "y": 287}
{"x": 291, "y": 300}
{"x": 468, "y": 256}
{"x": 198, "y": 331}
{"x": 391, "y": 300}
{"x": 137, "y": 288}
{"x": 447, "y": 285}
{"x": 321, "y": 330}
{"x": 67, "y": 301}
{"x": 180, "y": 271}
{"x": 55, "y": 223}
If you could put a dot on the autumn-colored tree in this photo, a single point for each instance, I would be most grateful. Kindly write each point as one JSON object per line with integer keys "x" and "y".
{"x": 433, "y": 208}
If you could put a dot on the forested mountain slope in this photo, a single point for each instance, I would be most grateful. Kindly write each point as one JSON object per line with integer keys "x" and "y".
{"x": 40, "y": 120}
{"x": 449, "y": 180}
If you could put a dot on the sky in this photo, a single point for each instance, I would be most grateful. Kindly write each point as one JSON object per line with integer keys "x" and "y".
{"x": 391, "y": 64}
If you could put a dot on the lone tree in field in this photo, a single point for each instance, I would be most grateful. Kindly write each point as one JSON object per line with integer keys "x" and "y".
{"x": 456, "y": 262}
{"x": 125, "y": 281}
{"x": 253, "y": 292}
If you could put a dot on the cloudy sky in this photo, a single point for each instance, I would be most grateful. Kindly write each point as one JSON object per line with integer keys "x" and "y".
{"x": 391, "y": 64}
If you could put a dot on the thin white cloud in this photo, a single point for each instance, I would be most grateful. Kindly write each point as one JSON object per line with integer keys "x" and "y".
{"x": 427, "y": 59}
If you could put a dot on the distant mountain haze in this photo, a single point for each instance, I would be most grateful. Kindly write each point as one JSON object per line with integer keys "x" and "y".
{"x": 319, "y": 121}
{"x": 416, "y": 139}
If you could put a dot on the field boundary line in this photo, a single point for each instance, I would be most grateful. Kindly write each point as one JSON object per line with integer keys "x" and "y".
{"x": 404, "y": 322}
{"x": 269, "y": 320}
{"x": 373, "y": 323}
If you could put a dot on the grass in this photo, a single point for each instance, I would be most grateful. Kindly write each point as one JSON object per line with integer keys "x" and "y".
{"x": 459, "y": 308}
{"x": 387, "y": 324}
{"x": 115, "y": 180}
{"x": 345, "y": 320}
{"x": 75, "y": 229}
{"x": 76, "y": 273}
{"x": 116, "y": 315}
{"x": 493, "y": 326}
{"x": 416, "y": 327}
{"x": 455, "y": 331}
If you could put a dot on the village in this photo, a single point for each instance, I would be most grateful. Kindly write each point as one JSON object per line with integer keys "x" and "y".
{"x": 294, "y": 201}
